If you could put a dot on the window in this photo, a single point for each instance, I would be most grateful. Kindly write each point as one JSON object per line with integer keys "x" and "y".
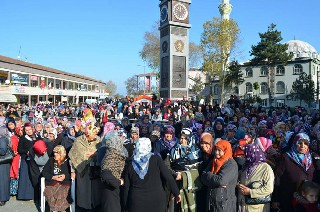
{"x": 264, "y": 103}
{"x": 264, "y": 88}
{"x": 248, "y": 87}
{"x": 280, "y": 70}
{"x": 34, "y": 83}
{"x": 280, "y": 103}
{"x": 249, "y": 72}
{"x": 71, "y": 85}
{"x": 297, "y": 69}
{"x": 216, "y": 89}
{"x": 264, "y": 71}
{"x": 50, "y": 83}
{"x": 280, "y": 86}
{"x": 58, "y": 84}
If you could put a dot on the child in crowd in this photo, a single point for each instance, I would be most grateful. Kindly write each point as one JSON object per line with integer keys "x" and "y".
{"x": 306, "y": 199}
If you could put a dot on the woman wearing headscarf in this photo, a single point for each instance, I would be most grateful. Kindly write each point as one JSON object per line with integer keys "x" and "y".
{"x": 82, "y": 157}
{"x": 25, "y": 188}
{"x": 68, "y": 140}
{"x": 243, "y": 128}
{"x": 256, "y": 179}
{"x": 272, "y": 154}
{"x": 221, "y": 179}
{"x": 39, "y": 155}
{"x": 58, "y": 180}
{"x": 164, "y": 145}
{"x": 144, "y": 181}
{"x": 11, "y": 125}
{"x": 4, "y": 168}
{"x": 112, "y": 166}
{"x": 218, "y": 128}
{"x": 184, "y": 153}
{"x": 14, "y": 169}
{"x": 294, "y": 167}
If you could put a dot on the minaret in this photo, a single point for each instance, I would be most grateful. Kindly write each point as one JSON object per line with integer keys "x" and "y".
{"x": 225, "y": 9}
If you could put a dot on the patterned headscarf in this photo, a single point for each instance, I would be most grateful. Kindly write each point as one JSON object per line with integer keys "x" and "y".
{"x": 303, "y": 160}
{"x": 61, "y": 150}
{"x": 108, "y": 127}
{"x": 141, "y": 156}
{"x": 217, "y": 163}
{"x": 254, "y": 156}
{"x": 263, "y": 143}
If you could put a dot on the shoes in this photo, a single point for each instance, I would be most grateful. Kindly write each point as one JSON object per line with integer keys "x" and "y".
{"x": 2, "y": 203}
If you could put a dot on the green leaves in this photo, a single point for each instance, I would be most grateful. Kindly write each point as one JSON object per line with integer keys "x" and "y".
{"x": 269, "y": 51}
{"x": 303, "y": 88}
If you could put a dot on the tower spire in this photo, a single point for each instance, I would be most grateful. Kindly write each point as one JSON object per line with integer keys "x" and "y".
{"x": 225, "y": 9}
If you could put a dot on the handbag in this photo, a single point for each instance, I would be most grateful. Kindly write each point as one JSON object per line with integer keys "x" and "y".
{"x": 7, "y": 158}
{"x": 259, "y": 200}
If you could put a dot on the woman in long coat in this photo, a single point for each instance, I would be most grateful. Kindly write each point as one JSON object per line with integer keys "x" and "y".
{"x": 144, "y": 189}
{"x": 221, "y": 179}
{"x": 255, "y": 171}
{"x": 14, "y": 169}
{"x": 25, "y": 188}
{"x": 112, "y": 166}
{"x": 4, "y": 168}
{"x": 294, "y": 167}
{"x": 83, "y": 159}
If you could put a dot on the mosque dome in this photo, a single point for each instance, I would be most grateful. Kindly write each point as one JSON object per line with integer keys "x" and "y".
{"x": 302, "y": 49}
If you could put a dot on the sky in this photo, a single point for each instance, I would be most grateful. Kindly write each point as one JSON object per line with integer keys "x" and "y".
{"x": 102, "y": 38}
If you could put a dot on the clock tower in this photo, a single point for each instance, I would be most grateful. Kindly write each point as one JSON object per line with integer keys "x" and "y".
{"x": 174, "y": 48}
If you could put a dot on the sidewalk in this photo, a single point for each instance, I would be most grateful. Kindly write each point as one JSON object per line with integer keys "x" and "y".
{"x": 14, "y": 205}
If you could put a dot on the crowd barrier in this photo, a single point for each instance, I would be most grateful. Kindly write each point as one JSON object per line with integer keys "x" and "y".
{"x": 43, "y": 199}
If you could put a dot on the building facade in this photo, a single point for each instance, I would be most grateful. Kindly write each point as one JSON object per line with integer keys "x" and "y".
{"x": 24, "y": 82}
{"x": 305, "y": 59}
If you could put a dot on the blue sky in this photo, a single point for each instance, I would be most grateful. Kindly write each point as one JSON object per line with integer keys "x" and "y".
{"x": 102, "y": 38}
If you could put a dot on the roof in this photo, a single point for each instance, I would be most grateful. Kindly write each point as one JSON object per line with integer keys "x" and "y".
{"x": 44, "y": 68}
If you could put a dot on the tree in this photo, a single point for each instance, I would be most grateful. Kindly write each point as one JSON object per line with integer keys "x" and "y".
{"x": 198, "y": 84}
{"x": 234, "y": 75}
{"x": 256, "y": 86}
{"x": 270, "y": 52}
{"x": 150, "y": 52}
{"x": 303, "y": 89}
{"x": 132, "y": 86}
{"x": 218, "y": 41}
{"x": 111, "y": 87}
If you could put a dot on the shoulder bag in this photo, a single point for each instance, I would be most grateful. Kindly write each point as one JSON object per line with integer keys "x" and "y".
{"x": 260, "y": 200}
{"x": 7, "y": 158}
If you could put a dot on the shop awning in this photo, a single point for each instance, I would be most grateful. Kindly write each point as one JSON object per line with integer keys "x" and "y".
{"x": 7, "y": 97}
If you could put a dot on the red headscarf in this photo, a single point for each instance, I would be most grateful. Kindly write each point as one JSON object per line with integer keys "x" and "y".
{"x": 225, "y": 146}
{"x": 39, "y": 147}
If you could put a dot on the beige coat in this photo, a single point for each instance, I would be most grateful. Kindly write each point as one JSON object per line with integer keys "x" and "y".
{"x": 264, "y": 173}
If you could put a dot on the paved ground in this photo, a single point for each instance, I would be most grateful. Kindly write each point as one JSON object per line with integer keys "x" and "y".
{"x": 19, "y": 206}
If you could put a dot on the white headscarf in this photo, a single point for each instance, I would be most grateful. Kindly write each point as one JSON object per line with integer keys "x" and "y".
{"x": 141, "y": 156}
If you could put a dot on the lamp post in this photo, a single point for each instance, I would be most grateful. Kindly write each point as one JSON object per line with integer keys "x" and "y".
{"x": 144, "y": 78}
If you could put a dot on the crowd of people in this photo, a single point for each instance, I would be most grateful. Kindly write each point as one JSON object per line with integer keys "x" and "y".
{"x": 176, "y": 156}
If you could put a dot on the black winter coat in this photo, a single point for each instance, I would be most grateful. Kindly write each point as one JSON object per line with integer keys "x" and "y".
{"x": 221, "y": 187}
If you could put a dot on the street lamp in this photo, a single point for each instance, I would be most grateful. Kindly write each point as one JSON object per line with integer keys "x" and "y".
{"x": 144, "y": 78}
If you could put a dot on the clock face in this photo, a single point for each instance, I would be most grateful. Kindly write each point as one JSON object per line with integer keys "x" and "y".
{"x": 164, "y": 13}
{"x": 180, "y": 11}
